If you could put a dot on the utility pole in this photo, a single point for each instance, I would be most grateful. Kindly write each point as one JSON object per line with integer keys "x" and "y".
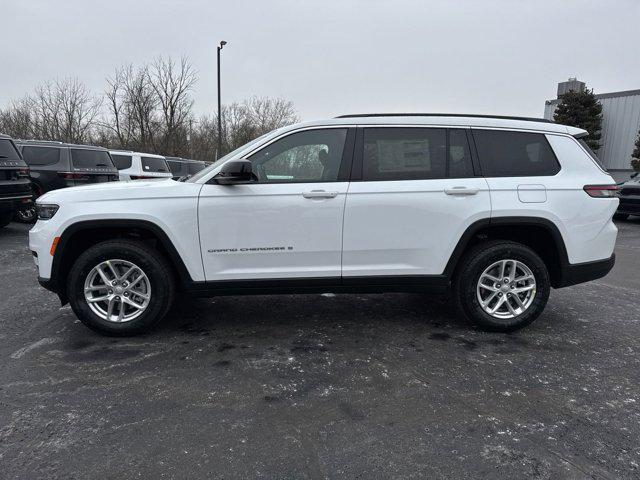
{"x": 219, "y": 152}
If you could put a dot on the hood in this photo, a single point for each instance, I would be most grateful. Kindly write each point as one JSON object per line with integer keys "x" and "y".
{"x": 139, "y": 189}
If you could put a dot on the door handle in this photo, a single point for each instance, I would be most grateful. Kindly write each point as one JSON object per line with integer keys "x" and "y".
{"x": 319, "y": 194}
{"x": 461, "y": 191}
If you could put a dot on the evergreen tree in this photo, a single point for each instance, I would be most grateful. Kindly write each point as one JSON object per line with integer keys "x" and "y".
{"x": 582, "y": 110}
{"x": 635, "y": 156}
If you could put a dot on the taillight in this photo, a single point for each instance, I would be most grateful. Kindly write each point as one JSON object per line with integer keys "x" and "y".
{"x": 601, "y": 191}
{"x": 73, "y": 176}
{"x": 23, "y": 173}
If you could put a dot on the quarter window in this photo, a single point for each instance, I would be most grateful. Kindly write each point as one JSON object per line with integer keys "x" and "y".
{"x": 308, "y": 156}
{"x": 404, "y": 153}
{"x": 121, "y": 162}
{"x": 515, "y": 154}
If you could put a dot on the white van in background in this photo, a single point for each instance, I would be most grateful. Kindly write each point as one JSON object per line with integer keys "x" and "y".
{"x": 140, "y": 166}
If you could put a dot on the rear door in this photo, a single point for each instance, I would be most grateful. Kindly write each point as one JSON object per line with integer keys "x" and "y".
{"x": 413, "y": 193}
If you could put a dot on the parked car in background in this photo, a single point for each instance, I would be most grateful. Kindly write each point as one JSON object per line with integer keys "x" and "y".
{"x": 140, "y": 166}
{"x": 629, "y": 195}
{"x": 55, "y": 165}
{"x": 497, "y": 210}
{"x": 183, "y": 167}
{"x": 15, "y": 186}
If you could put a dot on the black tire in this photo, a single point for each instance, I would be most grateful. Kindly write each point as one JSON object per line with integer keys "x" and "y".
{"x": 5, "y": 219}
{"x": 148, "y": 259}
{"x": 620, "y": 216}
{"x": 471, "y": 268}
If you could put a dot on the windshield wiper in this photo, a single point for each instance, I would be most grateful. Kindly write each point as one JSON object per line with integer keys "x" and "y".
{"x": 184, "y": 178}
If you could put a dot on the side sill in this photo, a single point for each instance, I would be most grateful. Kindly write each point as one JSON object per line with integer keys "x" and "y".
{"x": 573, "y": 274}
{"x": 414, "y": 283}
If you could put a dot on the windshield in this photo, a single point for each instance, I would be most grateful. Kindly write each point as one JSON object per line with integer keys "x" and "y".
{"x": 229, "y": 155}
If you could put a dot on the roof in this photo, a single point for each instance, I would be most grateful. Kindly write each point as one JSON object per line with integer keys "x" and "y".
{"x": 51, "y": 143}
{"x": 131, "y": 152}
{"x": 444, "y": 120}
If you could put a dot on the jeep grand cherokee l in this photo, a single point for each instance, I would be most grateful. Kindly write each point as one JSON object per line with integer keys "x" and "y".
{"x": 497, "y": 210}
{"x": 55, "y": 165}
{"x": 15, "y": 186}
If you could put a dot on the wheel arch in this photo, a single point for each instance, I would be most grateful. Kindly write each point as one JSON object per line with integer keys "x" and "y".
{"x": 82, "y": 235}
{"x": 540, "y": 234}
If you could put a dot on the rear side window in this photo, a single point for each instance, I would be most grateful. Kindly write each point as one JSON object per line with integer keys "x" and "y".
{"x": 40, "y": 155}
{"x": 154, "y": 164}
{"x": 121, "y": 162}
{"x": 90, "y": 158}
{"x": 515, "y": 154}
{"x": 8, "y": 151}
{"x": 195, "y": 167}
{"x": 460, "y": 163}
{"x": 404, "y": 153}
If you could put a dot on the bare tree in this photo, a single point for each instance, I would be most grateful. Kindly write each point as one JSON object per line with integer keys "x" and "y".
{"x": 172, "y": 84}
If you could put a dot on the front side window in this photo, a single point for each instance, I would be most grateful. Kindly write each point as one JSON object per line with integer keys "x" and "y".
{"x": 404, "y": 153}
{"x": 122, "y": 162}
{"x": 40, "y": 155}
{"x": 515, "y": 154}
{"x": 154, "y": 164}
{"x": 308, "y": 156}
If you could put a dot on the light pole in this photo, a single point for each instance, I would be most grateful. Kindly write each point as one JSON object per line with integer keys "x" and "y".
{"x": 222, "y": 44}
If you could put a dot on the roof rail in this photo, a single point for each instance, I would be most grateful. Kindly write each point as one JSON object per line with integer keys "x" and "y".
{"x": 499, "y": 117}
{"x": 44, "y": 142}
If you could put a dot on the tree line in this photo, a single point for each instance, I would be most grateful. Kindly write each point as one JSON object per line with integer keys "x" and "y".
{"x": 146, "y": 108}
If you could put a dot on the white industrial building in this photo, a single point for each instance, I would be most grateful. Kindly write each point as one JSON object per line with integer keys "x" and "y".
{"x": 620, "y": 125}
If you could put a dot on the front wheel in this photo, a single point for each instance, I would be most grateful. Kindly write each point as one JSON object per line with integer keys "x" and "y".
{"x": 501, "y": 286}
{"x": 120, "y": 287}
{"x": 26, "y": 214}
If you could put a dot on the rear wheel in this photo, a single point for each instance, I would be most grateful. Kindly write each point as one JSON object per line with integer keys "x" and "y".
{"x": 501, "y": 286}
{"x": 620, "y": 216}
{"x": 120, "y": 287}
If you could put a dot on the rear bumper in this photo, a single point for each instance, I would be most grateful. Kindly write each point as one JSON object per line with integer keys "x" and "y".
{"x": 576, "y": 273}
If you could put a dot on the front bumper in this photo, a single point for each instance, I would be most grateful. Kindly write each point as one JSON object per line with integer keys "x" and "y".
{"x": 576, "y": 273}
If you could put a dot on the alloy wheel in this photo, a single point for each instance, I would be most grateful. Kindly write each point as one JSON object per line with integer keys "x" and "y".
{"x": 117, "y": 290}
{"x": 506, "y": 289}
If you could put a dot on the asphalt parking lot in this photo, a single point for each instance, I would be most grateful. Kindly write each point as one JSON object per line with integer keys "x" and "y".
{"x": 319, "y": 386}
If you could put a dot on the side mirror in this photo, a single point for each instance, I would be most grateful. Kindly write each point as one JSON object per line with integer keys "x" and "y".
{"x": 235, "y": 172}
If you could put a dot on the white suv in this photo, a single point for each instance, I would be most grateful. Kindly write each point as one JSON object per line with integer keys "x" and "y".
{"x": 496, "y": 209}
{"x": 140, "y": 166}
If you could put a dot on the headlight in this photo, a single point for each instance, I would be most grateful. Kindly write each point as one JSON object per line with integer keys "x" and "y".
{"x": 46, "y": 211}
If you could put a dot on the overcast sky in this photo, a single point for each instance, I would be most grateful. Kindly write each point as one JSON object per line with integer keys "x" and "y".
{"x": 336, "y": 56}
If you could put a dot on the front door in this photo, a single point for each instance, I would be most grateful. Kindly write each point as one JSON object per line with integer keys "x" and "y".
{"x": 288, "y": 223}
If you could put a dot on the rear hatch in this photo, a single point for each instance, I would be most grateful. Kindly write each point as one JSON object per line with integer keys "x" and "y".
{"x": 91, "y": 166}
{"x": 153, "y": 167}
{"x": 15, "y": 183}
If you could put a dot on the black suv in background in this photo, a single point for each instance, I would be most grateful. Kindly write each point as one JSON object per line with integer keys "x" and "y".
{"x": 15, "y": 186}
{"x": 56, "y": 165}
{"x": 181, "y": 167}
